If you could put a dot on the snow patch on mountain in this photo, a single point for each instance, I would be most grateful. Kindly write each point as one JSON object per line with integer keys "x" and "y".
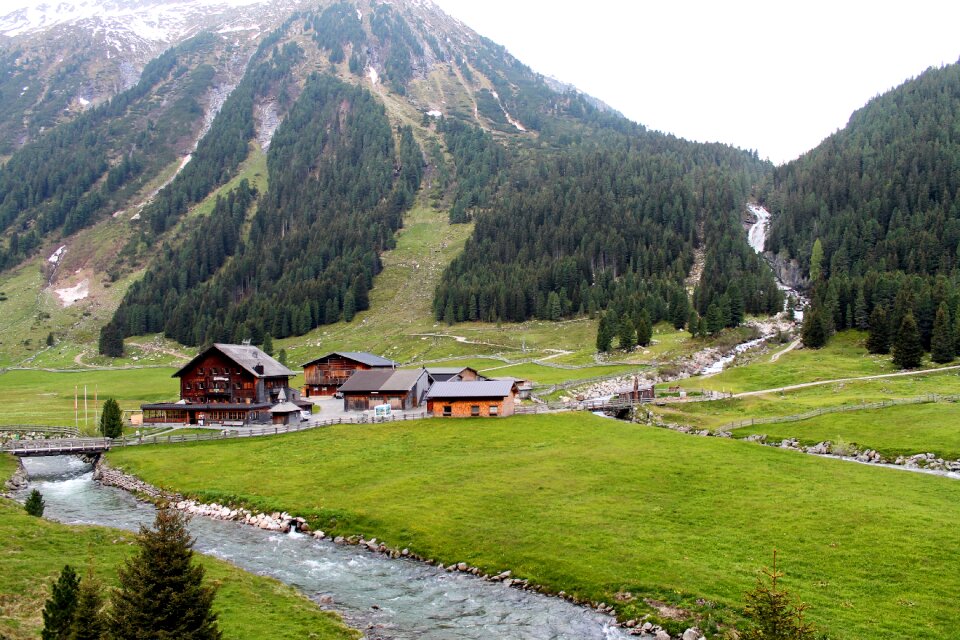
{"x": 78, "y": 292}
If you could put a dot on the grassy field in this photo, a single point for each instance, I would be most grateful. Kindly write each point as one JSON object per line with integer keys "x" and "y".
{"x": 35, "y": 550}
{"x": 716, "y": 414}
{"x": 844, "y": 357}
{"x": 44, "y": 397}
{"x": 898, "y": 430}
{"x": 598, "y": 507}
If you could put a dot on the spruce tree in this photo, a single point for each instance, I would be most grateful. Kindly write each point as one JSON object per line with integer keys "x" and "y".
{"x": 942, "y": 342}
{"x": 644, "y": 329}
{"x": 693, "y": 323}
{"x": 161, "y": 592}
{"x": 907, "y": 348}
{"x": 627, "y": 334}
{"x": 772, "y": 613}
{"x": 878, "y": 340}
{"x": 714, "y": 319}
{"x": 111, "y": 420}
{"x": 816, "y": 261}
{"x": 816, "y": 330}
{"x": 88, "y": 623}
{"x": 58, "y": 611}
{"x": 267, "y": 345}
{"x": 34, "y": 504}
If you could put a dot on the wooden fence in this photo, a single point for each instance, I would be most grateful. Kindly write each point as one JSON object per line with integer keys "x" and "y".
{"x": 70, "y": 432}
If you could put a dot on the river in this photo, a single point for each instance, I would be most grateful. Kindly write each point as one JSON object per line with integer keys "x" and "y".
{"x": 398, "y": 599}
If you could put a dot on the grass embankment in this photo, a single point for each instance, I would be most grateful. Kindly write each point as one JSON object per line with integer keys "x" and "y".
{"x": 596, "y": 507}
{"x": 44, "y": 397}
{"x": 894, "y": 431}
{"x": 34, "y": 551}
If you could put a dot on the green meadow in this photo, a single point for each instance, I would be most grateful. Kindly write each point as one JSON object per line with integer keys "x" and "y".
{"x": 612, "y": 511}
{"x": 34, "y": 551}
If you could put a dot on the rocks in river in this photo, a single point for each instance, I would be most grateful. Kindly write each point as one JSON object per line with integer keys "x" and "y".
{"x": 928, "y": 461}
{"x": 820, "y": 449}
{"x": 661, "y": 635}
{"x": 19, "y": 479}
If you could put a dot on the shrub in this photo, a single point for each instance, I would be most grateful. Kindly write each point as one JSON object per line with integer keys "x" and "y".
{"x": 35, "y": 504}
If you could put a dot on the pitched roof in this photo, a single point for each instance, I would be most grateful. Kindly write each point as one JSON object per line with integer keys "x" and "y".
{"x": 245, "y": 356}
{"x": 382, "y": 381}
{"x": 357, "y": 356}
{"x": 473, "y": 389}
{"x": 285, "y": 407}
{"x": 451, "y": 370}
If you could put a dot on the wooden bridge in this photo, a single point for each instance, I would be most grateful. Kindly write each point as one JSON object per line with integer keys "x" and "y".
{"x": 56, "y": 447}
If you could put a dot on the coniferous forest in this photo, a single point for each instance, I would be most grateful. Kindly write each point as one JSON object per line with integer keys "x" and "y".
{"x": 873, "y": 215}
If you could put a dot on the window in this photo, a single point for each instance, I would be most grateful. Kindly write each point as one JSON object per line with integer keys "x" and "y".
{"x": 200, "y": 385}
{"x": 237, "y": 386}
{"x": 187, "y": 386}
{"x": 200, "y": 371}
{"x": 447, "y": 410}
{"x": 475, "y": 410}
{"x": 493, "y": 409}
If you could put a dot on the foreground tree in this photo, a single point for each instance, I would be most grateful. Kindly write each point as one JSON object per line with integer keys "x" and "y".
{"x": 34, "y": 504}
{"x": 111, "y": 420}
{"x": 772, "y": 612}
{"x": 816, "y": 330}
{"x": 161, "y": 592}
{"x": 907, "y": 347}
{"x": 88, "y": 621}
{"x": 59, "y": 609}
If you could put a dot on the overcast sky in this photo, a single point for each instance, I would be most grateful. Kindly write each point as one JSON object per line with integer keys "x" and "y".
{"x": 773, "y": 76}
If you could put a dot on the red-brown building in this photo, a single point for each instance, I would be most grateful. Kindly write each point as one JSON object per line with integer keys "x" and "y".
{"x": 226, "y": 383}
{"x": 481, "y": 398}
{"x": 453, "y": 374}
{"x": 324, "y": 376}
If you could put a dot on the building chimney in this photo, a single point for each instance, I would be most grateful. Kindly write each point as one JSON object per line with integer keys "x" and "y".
{"x": 258, "y": 368}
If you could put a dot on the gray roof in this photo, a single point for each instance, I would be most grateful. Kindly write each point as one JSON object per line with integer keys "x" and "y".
{"x": 474, "y": 389}
{"x": 359, "y": 356}
{"x": 285, "y": 407}
{"x": 247, "y": 357}
{"x": 379, "y": 380}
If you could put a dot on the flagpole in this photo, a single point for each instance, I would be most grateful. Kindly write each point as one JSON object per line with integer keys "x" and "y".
{"x": 96, "y": 404}
{"x": 86, "y": 415}
{"x": 76, "y": 409}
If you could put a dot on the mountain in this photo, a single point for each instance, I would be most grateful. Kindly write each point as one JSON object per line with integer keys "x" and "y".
{"x": 252, "y": 178}
{"x": 873, "y": 213}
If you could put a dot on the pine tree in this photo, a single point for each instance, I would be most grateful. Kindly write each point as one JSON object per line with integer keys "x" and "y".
{"x": 282, "y": 357}
{"x": 267, "y": 345}
{"x": 88, "y": 622}
{"x": 693, "y": 323}
{"x": 907, "y": 348}
{"x": 816, "y": 261}
{"x": 714, "y": 319}
{"x": 878, "y": 340}
{"x": 644, "y": 329}
{"x": 942, "y": 342}
{"x": 161, "y": 592}
{"x": 111, "y": 421}
{"x": 349, "y": 306}
{"x": 604, "y": 333}
{"x": 816, "y": 330}
{"x": 772, "y": 613}
{"x": 861, "y": 320}
{"x": 59, "y": 609}
{"x": 34, "y": 505}
{"x": 627, "y": 334}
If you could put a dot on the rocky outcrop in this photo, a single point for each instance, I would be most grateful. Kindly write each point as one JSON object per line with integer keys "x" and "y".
{"x": 788, "y": 271}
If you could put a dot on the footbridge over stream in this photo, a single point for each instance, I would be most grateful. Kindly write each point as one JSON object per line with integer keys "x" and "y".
{"x": 56, "y": 447}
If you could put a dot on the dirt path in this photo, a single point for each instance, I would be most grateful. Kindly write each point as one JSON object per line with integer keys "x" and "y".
{"x": 790, "y": 347}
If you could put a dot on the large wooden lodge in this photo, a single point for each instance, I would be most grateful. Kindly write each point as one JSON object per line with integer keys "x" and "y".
{"x": 325, "y": 375}
{"x": 227, "y": 384}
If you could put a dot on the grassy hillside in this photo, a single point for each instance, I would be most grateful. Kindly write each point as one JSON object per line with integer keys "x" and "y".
{"x": 597, "y": 507}
{"x": 35, "y": 550}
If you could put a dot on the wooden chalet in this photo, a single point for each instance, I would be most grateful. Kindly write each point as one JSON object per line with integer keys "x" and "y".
{"x": 400, "y": 388}
{"x": 324, "y": 376}
{"x": 524, "y": 387}
{"x": 453, "y": 374}
{"x": 231, "y": 384}
{"x": 480, "y": 398}
{"x": 637, "y": 393}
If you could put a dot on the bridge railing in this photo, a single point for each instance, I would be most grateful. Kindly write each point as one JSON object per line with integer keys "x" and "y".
{"x": 75, "y": 445}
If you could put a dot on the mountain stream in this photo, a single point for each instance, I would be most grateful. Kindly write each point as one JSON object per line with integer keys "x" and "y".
{"x": 397, "y": 599}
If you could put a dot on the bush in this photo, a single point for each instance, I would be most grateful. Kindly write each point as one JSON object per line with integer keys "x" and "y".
{"x": 35, "y": 504}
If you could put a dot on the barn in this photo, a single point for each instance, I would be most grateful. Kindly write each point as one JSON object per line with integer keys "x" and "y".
{"x": 324, "y": 375}
{"x": 453, "y": 374}
{"x": 402, "y": 389}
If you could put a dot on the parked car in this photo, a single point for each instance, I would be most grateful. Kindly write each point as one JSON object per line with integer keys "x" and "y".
{"x": 338, "y": 395}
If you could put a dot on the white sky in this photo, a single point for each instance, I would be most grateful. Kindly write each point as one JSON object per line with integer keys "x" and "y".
{"x": 764, "y": 75}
